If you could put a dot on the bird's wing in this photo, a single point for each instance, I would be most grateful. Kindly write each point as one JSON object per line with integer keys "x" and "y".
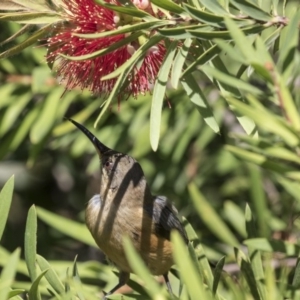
{"x": 164, "y": 215}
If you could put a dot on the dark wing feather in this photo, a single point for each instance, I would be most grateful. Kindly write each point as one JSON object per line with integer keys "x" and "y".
{"x": 164, "y": 215}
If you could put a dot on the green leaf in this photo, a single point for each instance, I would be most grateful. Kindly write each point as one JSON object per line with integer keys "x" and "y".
{"x": 30, "y": 243}
{"x": 188, "y": 272}
{"x": 267, "y": 121}
{"x": 264, "y": 244}
{"x": 236, "y": 290}
{"x": 195, "y": 3}
{"x": 168, "y": 5}
{"x": 120, "y": 83}
{"x": 223, "y": 34}
{"x": 249, "y": 275}
{"x": 13, "y": 112}
{"x": 270, "y": 40}
{"x": 296, "y": 278}
{"x": 274, "y": 7}
{"x": 159, "y": 94}
{"x": 182, "y": 31}
{"x": 217, "y": 274}
{"x": 247, "y": 123}
{"x": 235, "y": 216}
{"x": 215, "y": 7}
{"x": 31, "y": 18}
{"x": 218, "y": 64}
{"x": 136, "y": 286}
{"x": 77, "y": 280}
{"x": 191, "y": 233}
{"x": 127, "y": 297}
{"x": 50, "y": 275}
{"x": 285, "y": 98}
{"x": 210, "y": 217}
{"x": 47, "y": 117}
{"x": 33, "y": 293}
{"x": 10, "y": 5}
{"x": 231, "y": 51}
{"x": 204, "y": 264}
{"x": 139, "y": 267}
{"x": 179, "y": 62}
{"x": 242, "y": 42}
{"x": 36, "y": 5}
{"x": 265, "y": 59}
{"x": 13, "y": 294}
{"x": 5, "y": 202}
{"x": 205, "y": 57}
{"x": 71, "y": 228}
{"x": 288, "y": 42}
{"x": 8, "y": 274}
{"x": 255, "y": 256}
{"x": 197, "y": 97}
{"x": 113, "y": 47}
{"x": 205, "y": 17}
{"x": 194, "y": 258}
{"x": 124, "y": 29}
{"x": 250, "y": 226}
{"x": 19, "y": 33}
{"x": 28, "y": 42}
{"x": 259, "y": 201}
{"x": 231, "y": 80}
{"x": 263, "y": 161}
{"x": 251, "y": 10}
{"x": 7, "y": 90}
{"x": 291, "y": 187}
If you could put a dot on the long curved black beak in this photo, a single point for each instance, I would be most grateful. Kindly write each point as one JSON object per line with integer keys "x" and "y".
{"x": 100, "y": 148}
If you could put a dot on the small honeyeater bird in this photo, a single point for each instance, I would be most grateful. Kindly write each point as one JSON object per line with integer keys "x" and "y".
{"x": 125, "y": 206}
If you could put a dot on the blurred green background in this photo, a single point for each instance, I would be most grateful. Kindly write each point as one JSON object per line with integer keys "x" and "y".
{"x": 56, "y": 167}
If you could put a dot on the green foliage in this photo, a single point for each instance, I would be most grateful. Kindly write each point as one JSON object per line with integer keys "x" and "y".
{"x": 227, "y": 151}
{"x": 5, "y": 201}
{"x": 216, "y": 23}
{"x": 195, "y": 275}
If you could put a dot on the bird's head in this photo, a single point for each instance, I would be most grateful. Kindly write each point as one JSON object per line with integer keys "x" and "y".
{"x": 118, "y": 170}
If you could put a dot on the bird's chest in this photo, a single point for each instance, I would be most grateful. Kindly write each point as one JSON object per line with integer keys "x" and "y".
{"x": 109, "y": 221}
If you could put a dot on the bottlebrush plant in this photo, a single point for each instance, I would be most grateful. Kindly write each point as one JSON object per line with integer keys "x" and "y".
{"x": 229, "y": 70}
{"x": 121, "y": 48}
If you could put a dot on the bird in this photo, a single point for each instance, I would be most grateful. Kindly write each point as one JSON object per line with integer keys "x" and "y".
{"x": 126, "y": 206}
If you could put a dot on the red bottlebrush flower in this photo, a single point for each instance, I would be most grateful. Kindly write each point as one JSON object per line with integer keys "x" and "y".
{"x": 86, "y": 16}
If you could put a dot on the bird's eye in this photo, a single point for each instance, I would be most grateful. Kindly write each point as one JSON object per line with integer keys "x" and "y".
{"x": 108, "y": 164}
